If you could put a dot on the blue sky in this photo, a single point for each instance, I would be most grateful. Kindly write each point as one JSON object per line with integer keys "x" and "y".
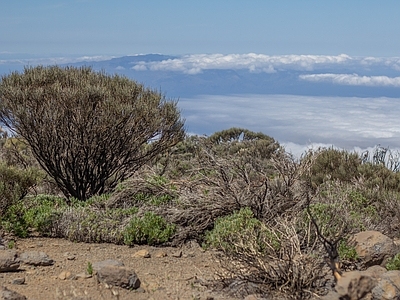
{"x": 311, "y": 72}
{"x": 89, "y": 27}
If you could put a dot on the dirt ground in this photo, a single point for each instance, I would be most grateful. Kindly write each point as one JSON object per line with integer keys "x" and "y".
{"x": 162, "y": 277}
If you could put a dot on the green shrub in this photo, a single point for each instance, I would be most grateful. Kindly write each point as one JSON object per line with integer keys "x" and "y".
{"x": 230, "y": 231}
{"x": 328, "y": 218}
{"x": 13, "y": 220}
{"x": 15, "y": 184}
{"x": 33, "y": 213}
{"x": 11, "y": 244}
{"x": 89, "y": 268}
{"x": 333, "y": 164}
{"x": 150, "y": 229}
{"x": 42, "y": 212}
{"x": 379, "y": 176}
{"x": 394, "y": 263}
{"x": 347, "y": 251}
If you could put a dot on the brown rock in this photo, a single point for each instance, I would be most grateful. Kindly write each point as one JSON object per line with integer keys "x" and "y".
{"x": 142, "y": 253}
{"x": 160, "y": 254}
{"x": 355, "y": 285}
{"x": 65, "y": 275}
{"x": 375, "y": 272}
{"x": 118, "y": 276}
{"x": 388, "y": 288}
{"x": 374, "y": 248}
{"x": 9, "y": 261}
{"x": 83, "y": 276}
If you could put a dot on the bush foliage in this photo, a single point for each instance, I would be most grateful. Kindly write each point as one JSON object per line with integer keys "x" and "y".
{"x": 87, "y": 130}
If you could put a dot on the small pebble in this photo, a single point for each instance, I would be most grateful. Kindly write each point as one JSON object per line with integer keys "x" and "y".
{"x": 18, "y": 281}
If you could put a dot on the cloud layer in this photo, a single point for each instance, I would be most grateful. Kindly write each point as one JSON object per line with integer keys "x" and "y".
{"x": 353, "y": 79}
{"x": 196, "y": 63}
{"x": 341, "y": 121}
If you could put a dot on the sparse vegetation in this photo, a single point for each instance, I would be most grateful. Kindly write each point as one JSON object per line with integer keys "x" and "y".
{"x": 89, "y": 268}
{"x": 272, "y": 218}
{"x": 394, "y": 263}
{"x": 149, "y": 229}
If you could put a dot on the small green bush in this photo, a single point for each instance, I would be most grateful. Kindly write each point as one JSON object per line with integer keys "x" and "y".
{"x": 328, "y": 218}
{"x": 33, "y": 213}
{"x": 11, "y": 244}
{"x": 150, "y": 229}
{"x": 394, "y": 263}
{"x": 346, "y": 251}
{"x": 333, "y": 164}
{"x": 240, "y": 226}
{"x": 42, "y": 213}
{"x": 15, "y": 184}
{"x": 89, "y": 268}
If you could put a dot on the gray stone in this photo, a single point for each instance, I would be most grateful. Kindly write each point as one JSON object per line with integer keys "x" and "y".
{"x": 374, "y": 248}
{"x": 388, "y": 287}
{"x": 177, "y": 254}
{"x": 6, "y": 294}
{"x": 105, "y": 263}
{"x": 9, "y": 261}
{"x": 18, "y": 281}
{"x": 36, "y": 258}
{"x": 118, "y": 276}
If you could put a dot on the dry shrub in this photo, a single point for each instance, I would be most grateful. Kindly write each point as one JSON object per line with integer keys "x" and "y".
{"x": 144, "y": 188}
{"x": 260, "y": 258}
{"x": 88, "y": 130}
{"x": 388, "y": 208}
{"x": 90, "y": 225}
{"x": 220, "y": 184}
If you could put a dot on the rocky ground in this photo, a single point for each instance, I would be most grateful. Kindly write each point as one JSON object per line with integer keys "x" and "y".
{"x": 43, "y": 268}
{"x": 164, "y": 273}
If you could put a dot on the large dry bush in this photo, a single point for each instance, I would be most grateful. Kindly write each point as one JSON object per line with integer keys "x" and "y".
{"x": 87, "y": 130}
{"x": 226, "y": 176}
{"x": 262, "y": 258}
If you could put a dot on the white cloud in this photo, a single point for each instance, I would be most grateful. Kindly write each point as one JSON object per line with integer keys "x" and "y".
{"x": 196, "y": 63}
{"x": 345, "y": 122}
{"x": 353, "y": 79}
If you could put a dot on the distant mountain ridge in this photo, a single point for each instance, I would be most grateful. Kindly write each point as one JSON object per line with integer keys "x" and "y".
{"x": 188, "y": 76}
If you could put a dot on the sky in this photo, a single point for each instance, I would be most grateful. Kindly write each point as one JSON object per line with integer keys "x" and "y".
{"x": 331, "y": 68}
{"x": 90, "y": 27}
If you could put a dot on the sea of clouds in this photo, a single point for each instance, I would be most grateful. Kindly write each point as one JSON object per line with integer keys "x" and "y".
{"x": 300, "y": 122}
